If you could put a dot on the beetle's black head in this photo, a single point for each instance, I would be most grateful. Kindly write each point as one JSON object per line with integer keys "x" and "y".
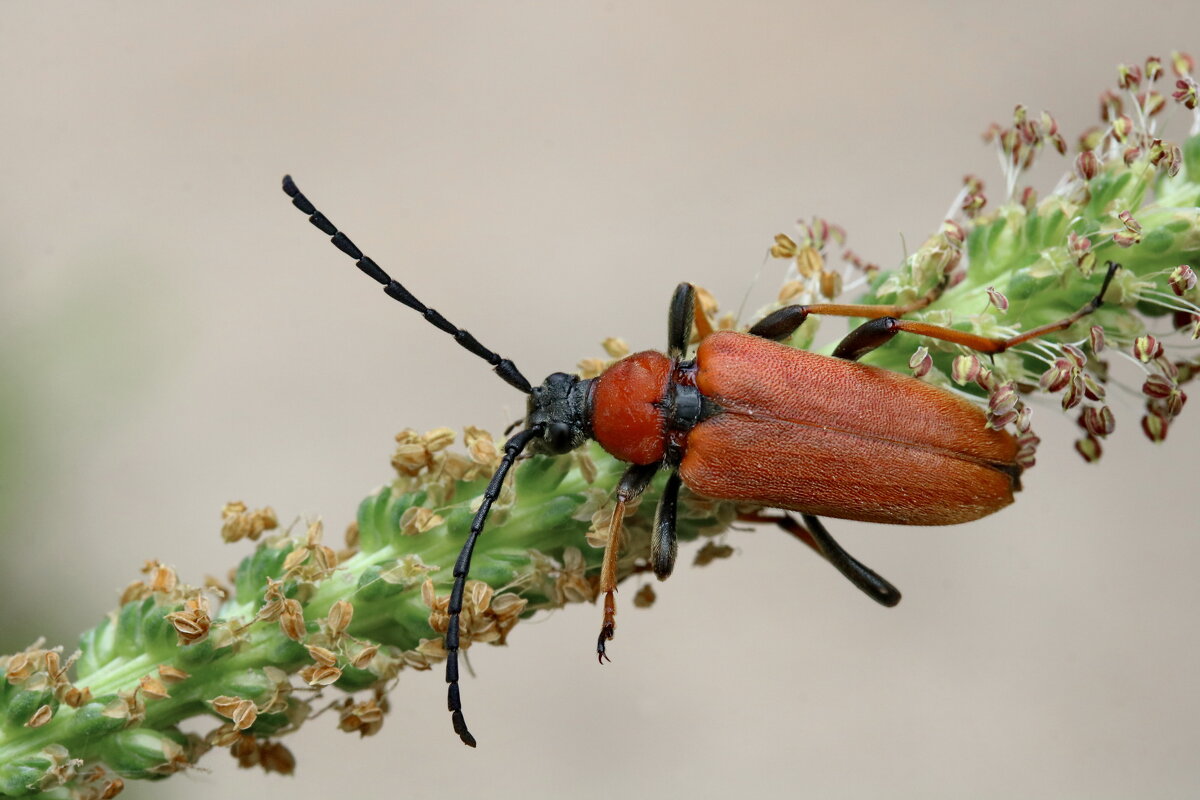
{"x": 562, "y": 407}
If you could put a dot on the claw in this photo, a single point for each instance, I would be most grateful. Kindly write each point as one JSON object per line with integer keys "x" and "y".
{"x": 606, "y": 634}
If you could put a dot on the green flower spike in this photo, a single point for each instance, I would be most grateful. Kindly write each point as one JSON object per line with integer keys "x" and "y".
{"x": 304, "y": 620}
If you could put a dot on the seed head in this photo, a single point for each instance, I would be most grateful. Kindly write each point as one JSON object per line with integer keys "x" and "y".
{"x": 711, "y": 551}
{"x": 365, "y": 718}
{"x": 40, "y": 717}
{"x": 615, "y": 347}
{"x": 291, "y": 620}
{"x": 1182, "y": 64}
{"x": 240, "y": 711}
{"x": 1154, "y": 68}
{"x": 1092, "y": 389}
{"x": 1073, "y": 396}
{"x": 784, "y": 247}
{"x": 1074, "y": 355}
{"x": 1183, "y": 279}
{"x": 241, "y": 523}
{"x": 1129, "y": 76}
{"x": 1152, "y": 103}
{"x": 1185, "y": 92}
{"x": 1158, "y": 386}
{"x": 920, "y": 362}
{"x": 193, "y": 622}
{"x": 320, "y": 674}
{"x": 1056, "y": 378}
{"x": 965, "y": 369}
{"x": 1147, "y": 348}
{"x": 1089, "y": 448}
{"x": 1111, "y": 105}
{"x": 809, "y": 262}
{"x": 1122, "y": 128}
{"x": 152, "y": 688}
{"x": 1098, "y": 421}
{"x": 1155, "y": 427}
{"x": 339, "y": 618}
{"x": 645, "y": 596}
{"x": 1087, "y": 165}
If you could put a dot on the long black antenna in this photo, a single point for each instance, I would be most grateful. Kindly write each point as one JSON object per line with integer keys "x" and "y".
{"x": 503, "y": 367}
{"x": 462, "y": 566}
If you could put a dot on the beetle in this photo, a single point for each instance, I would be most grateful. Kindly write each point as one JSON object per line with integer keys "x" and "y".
{"x": 752, "y": 420}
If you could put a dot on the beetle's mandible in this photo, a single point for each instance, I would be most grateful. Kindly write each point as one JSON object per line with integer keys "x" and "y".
{"x": 751, "y": 420}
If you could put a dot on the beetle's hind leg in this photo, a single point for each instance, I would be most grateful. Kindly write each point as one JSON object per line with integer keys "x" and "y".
{"x": 814, "y": 534}
{"x": 880, "y": 329}
{"x": 872, "y": 334}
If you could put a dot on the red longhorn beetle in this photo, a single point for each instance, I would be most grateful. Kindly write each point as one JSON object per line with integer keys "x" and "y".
{"x": 752, "y": 420}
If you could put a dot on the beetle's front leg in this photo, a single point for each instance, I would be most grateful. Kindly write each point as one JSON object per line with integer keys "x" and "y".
{"x": 635, "y": 480}
{"x": 679, "y": 320}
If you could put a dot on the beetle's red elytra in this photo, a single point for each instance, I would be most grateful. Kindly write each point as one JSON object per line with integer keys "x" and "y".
{"x": 836, "y": 438}
{"x": 751, "y": 420}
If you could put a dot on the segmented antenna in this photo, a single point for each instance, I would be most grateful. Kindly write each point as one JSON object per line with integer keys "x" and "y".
{"x": 462, "y": 566}
{"x": 502, "y": 366}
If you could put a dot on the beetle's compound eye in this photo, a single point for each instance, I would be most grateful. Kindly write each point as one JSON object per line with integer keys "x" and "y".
{"x": 558, "y": 437}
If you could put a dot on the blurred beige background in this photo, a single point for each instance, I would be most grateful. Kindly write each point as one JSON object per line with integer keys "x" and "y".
{"x": 174, "y": 335}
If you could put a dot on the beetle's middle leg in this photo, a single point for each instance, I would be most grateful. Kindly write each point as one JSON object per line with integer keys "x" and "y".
{"x": 814, "y": 534}
{"x": 781, "y": 324}
{"x": 635, "y": 480}
{"x": 872, "y": 334}
{"x": 663, "y": 545}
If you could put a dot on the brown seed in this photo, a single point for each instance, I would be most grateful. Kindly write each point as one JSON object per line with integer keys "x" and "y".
{"x": 339, "y": 617}
{"x": 645, "y": 596}
{"x": 784, "y": 247}
{"x": 320, "y": 675}
{"x": 364, "y": 657}
{"x": 831, "y": 284}
{"x": 171, "y": 674}
{"x": 366, "y": 718}
{"x": 275, "y": 757}
{"x": 163, "y": 579}
{"x": 809, "y": 262}
{"x": 418, "y": 519}
{"x": 295, "y": 558}
{"x": 40, "y": 717}
{"x": 153, "y": 688}
{"x": 323, "y": 656}
{"x": 244, "y": 715}
{"x": 439, "y": 439}
{"x": 616, "y": 348}
{"x": 291, "y": 620}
